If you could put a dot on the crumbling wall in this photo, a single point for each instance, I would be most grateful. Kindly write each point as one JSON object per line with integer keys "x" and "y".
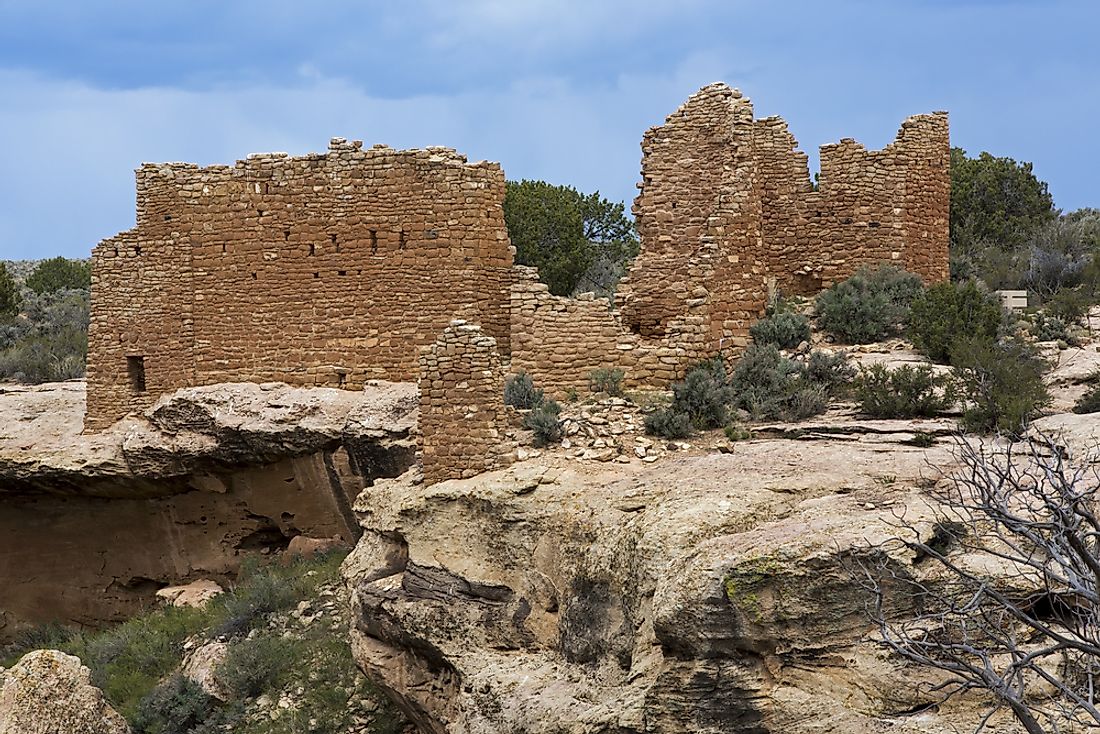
{"x": 559, "y": 341}
{"x": 326, "y": 269}
{"x": 699, "y": 220}
{"x": 726, "y": 211}
{"x": 870, "y": 206}
{"x": 461, "y": 404}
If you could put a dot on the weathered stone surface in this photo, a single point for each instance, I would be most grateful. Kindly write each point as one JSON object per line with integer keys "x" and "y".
{"x": 704, "y": 593}
{"x": 194, "y": 594}
{"x": 189, "y": 434}
{"x": 93, "y": 525}
{"x": 49, "y": 692}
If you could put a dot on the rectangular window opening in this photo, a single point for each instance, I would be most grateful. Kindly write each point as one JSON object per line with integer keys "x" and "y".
{"x": 135, "y": 368}
{"x": 373, "y": 241}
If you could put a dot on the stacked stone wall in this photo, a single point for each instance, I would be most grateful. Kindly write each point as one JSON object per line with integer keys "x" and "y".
{"x": 870, "y": 206}
{"x": 559, "y": 341}
{"x": 461, "y": 404}
{"x": 327, "y": 269}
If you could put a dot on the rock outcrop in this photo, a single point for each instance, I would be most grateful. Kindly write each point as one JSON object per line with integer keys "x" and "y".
{"x": 49, "y": 692}
{"x": 92, "y": 525}
{"x": 708, "y": 592}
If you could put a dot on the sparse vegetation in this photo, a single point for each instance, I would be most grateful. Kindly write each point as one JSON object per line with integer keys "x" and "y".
{"x": 947, "y": 311}
{"x": 544, "y": 422}
{"x": 784, "y": 329}
{"x": 771, "y": 387}
{"x": 176, "y": 706}
{"x": 9, "y": 293}
{"x": 869, "y": 306}
{"x": 44, "y": 332}
{"x": 1050, "y": 329}
{"x": 607, "y": 380}
{"x": 666, "y": 423}
{"x": 1001, "y": 382}
{"x": 136, "y": 663}
{"x": 520, "y": 392}
{"x": 60, "y": 274}
{"x": 904, "y": 392}
{"x": 1090, "y": 401}
{"x": 700, "y": 402}
{"x": 257, "y": 664}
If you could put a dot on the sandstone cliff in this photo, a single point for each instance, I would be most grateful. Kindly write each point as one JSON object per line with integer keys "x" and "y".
{"x": 707, "y": 592}
{"x": 91, "y": 525}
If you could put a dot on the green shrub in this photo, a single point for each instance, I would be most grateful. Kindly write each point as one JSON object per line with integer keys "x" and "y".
{"x": 1050, "y": 329}
{"x": 906, "y": 392}
{"x": 1001, "y": 382}
{"x": 544, "y": 423}
{"x": 60, "y": 273}
{"x": 737, "y": 433}
{"x": 608, "y": 380}
{"x": 1090, "y": 401}
{"x": 667, "y": 423}
{"x": 176, "y": 706}
{"x": 520, "y": 392}
{"x": 772, "y": 387}
{"x": 1068, "y": 304}
{"x": 831, "y": 370}
{"x": 948, "y": 311}
{"x": 784, "y": 329}
{"x": 256, "y": 665}
{"x": 129, "y": 661}
{"x": 704, "y": 396}
{"x": 9, "y": 293}
{"x": 921, "y": 440}
{"x": 50, "y": 636}
{"x": 868, "y": 306}
{"x": 246, "y": 606}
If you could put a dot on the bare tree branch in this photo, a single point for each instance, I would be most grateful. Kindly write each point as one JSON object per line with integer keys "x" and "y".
{"x": 1004, "y": 595}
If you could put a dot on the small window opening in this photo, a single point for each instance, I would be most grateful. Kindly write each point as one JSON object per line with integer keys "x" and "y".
{"x": 342, "y": 272}
{"x": 312, "y": 249}
{"x": 401, "y": 240}
{"x": 260, "y": 212}
{"x": 373, "y": 241}
{"x": 137, "y": 249}
{"x": 116, "y": 252}
{"x": 286, "y": 235}
{"x": 135, "y": 368}
{"x": 316, "y": 275}
{"x": 223, "y": 247}
{"x": 168, "y": 217}
{"x": 253, "y": 275}
{"x": 341, "y": 379}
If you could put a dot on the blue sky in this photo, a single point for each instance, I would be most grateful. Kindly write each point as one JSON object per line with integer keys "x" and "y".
{"x": 554, "y": 89}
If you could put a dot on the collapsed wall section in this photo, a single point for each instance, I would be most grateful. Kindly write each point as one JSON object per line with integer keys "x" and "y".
{"x": 699, "y": 220}
{"x": 326, "y": 269}
{"x": 869, "y": 207}
{"x": 461, "y": 404}
{"x": 559, "y": 341}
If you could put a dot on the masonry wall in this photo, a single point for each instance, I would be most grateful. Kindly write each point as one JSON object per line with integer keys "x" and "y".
{"x": 870, "y": 207}
{"x": 327, "y": 269}
{"x": 559, "y": 341}
{"x": 461, "y": 404}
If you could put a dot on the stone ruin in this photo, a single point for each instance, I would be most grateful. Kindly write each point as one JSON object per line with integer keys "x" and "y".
{"x": 337, "y": 268}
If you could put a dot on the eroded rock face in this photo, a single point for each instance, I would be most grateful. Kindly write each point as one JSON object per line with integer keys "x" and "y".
{"x": 705, "y": 593}
{"x": 92, "y": 525}
{"x": 49, "y": 692}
